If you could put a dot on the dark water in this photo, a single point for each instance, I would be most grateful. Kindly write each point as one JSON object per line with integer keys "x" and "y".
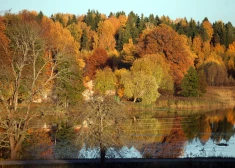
{"x": 175, "y": 135}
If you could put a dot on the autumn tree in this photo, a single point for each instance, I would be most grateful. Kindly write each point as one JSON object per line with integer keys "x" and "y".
{"x": 27, "y": 45}
{"x": 104, "y": 81}
{"x": 206, "y": 30}
{"x": 230, "y": 59}
{"x": 106, "y": 32}
{"x": 138, "y": 85}
{"x": 155, "y": 66}
{"x": 97, "y": 60}
{"x": 163, "y": 39}
{"x": 216, "y": 74}
{"x": 31, "y": 71}
{"x": 58, "y": 39}
{"x": 104, "y": 119}
{"x": 129, "y": 52}
{"x": 76, "y": 32}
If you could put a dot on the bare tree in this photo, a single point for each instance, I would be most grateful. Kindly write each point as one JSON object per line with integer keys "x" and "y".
{"x": 30, "y": 71}
{"x": 104, "y": 120}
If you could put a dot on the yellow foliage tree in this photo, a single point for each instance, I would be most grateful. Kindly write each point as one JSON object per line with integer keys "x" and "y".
{"x": 106, "y": 33}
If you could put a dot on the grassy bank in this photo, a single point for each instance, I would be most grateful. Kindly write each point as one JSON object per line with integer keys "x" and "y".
{"x": 216, "y": 97}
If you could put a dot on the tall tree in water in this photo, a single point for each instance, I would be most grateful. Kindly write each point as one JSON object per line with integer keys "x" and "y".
{"x": 105, "y": 124}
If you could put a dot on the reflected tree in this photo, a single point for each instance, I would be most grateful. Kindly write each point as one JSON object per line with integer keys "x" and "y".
{"x": 102, "y": 120}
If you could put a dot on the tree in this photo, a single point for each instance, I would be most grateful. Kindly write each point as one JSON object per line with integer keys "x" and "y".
{"x": 76, "y": 32}
{"x": 155, "y": 65}
{"x": 98, "y": 60}
{"x": 129, "y": 52}
{"x": 189, "y": 84}
{"x": 138, "y": 85}
{"x": 105, "y": 118}
{"x": 202, "y": 85}
{"x": 163, "y": 39}
{"x": 32, "y": 70}
{"x": 92, "y": 19}
{"x": 104, "y": 81}
{"x": 84, "y": 41}
{"x": 216, "y": 73}
{"x": 69, "y": 84}
{"x": 208, "y": 31}
{"x": 106, "y": 33}
{"x": 229, "y": 34}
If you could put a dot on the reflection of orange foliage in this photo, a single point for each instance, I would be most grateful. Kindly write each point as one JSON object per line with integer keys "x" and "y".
{"x": 171, "y": 145}
{"x": 205, "y": 136}
{"x": 231, "y": 116}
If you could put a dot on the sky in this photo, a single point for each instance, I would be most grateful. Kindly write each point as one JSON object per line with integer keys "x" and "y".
{"x": 214, "y": 10}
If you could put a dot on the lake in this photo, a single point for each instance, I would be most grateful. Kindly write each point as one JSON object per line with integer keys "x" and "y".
{"x": 179, "y": 134}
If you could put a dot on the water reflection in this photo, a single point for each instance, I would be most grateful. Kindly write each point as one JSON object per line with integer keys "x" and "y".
{"x": 177, "y": 135}
{"x": 199, "y": 135}
{"x": 215, "y": 136}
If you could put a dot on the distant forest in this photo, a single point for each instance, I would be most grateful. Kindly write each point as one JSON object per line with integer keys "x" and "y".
{"x": 120, "y": 52}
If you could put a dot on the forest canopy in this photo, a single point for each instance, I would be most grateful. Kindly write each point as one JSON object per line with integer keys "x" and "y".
{"x": 94, "y": 42}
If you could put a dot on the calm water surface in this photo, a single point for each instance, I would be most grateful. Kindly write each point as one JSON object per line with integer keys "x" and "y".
{"x": 208, "y": 134}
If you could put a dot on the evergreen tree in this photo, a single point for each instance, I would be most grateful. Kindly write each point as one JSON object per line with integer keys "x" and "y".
{"x": 131, "y": 27}
{"x": 189, "y": 84}
{"x": 84, "y": 41}
{"x": 229, "y": 34}
{"x": 192, "y": 31}
{"x": 119, "y": 39}
{"x": 203, "y": 33}
{"x": 40, "y": 16}
{"x": 92, "y": 19}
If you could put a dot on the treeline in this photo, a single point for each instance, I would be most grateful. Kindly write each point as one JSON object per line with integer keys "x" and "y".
{"x": 136, "y": 56}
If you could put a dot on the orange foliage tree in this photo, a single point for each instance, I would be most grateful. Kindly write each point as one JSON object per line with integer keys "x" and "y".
{"x": 163, "y": 39}
{"x": 97, "y": 60}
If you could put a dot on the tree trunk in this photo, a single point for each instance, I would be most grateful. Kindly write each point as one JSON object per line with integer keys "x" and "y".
{"x": 102, "y": 155}
{"x": 135, "y": 99}
{"x": 14, "y": 149}
{"x": 13, "y": 154}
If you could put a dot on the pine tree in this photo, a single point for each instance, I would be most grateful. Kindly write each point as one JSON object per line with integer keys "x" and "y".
{"x": 189, "y": 84}
{"x": 40, "y": 16}
{"x": 229, "y": 34}
{"x": 84, "y": 41}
